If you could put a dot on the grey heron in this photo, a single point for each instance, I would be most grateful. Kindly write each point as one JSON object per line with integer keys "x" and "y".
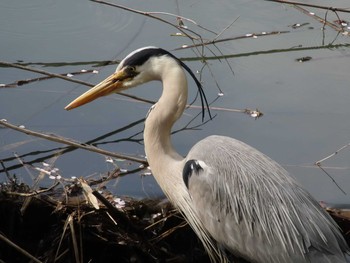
{"x": 234, "y": 197}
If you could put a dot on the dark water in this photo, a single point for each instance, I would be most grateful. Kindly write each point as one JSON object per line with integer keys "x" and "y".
{"x": 305, "y": 105}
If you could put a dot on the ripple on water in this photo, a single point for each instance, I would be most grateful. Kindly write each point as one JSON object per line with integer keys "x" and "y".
{"x": 39, "y": 19}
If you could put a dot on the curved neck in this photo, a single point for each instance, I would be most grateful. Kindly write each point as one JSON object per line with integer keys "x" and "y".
{"x": 159, "y": 150}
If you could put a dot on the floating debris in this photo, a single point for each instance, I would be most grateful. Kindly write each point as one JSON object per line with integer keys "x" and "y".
{"x": 45, "y": 164}
{"x": 249, "y": 35}
{"x": 256, "y": 114}
{"x": 297, "y": 25}
{"x": 95, "y": 71}
{"x": 303, "y": 59}
{"x": 119, "y": 203}
{"x": 109, "y": 160}
{"x": 147, "y": 174}
{"x": 83, "y": 70}
{"x": 69, "y": 75}
{"x": 220, "y": 94}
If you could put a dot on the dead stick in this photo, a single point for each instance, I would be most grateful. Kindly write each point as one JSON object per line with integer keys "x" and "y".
{"x": 33, "y": 193}
{"x": 215, "y": 41}
{"x": 69, "y": 142}
{"x": 54, "y": 75}
{"x": 311, "y": 5}
{"x": 319, "y": 19}
{"x": 318, "y": 163}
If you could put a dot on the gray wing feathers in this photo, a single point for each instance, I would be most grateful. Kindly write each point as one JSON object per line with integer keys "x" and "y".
{"x": 242, "y": 191}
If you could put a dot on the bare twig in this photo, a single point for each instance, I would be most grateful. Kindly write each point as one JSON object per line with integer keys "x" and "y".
{"x": 318, "y": 163}
{"x": 333, "y": 154}
{"x": 334, "y": 181}
{"x": 150, "y": 14}
{"x": 53, "y": 75}
{"x": 319, "y": 19}
{"x": 60, "y": 76}
{"x": 312, "y": 5}
{"x": 227, "y": 27}
{"x": 270, "y": 51}
{"x": 69, "y": 142}
{"x": 215, "y": 41}
{"x": 37, "y": 192}
{"x": 27, "y": 81}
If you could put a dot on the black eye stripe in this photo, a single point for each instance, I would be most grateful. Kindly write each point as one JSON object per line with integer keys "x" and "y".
{"x": 142, "y": 56}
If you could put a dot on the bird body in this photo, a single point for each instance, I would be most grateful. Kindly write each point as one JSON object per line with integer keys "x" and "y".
{"x": 234, "y": 197}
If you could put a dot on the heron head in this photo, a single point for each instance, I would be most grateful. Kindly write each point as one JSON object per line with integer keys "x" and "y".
{"x": 140, "y": 66}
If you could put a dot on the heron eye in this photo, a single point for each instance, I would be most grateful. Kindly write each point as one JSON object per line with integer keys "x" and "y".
{"x": 131, "y": 71}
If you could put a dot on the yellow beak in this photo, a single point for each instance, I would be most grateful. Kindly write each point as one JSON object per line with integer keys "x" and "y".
{"x": 112, "y": 84}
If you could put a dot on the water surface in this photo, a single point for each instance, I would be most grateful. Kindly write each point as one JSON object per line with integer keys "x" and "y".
{"x": 305, "y": 105}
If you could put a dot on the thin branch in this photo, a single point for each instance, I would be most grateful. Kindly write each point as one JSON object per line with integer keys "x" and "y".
{"x": 215, "y": 41}
{"x": 27, "y": 81}
{"x": 149, "y": 14}
{"x": 182, "y": 18}
{"x": 227, "y": 27}
{"x": 69, "y": 142}
{"x": 53, "y": 75}
{"x": 319, "y": 19}
{"x": 334, "y": 181}
{"x": 270, "y": 51}
{"x": 318, "y": 163}
{"x": 311, "y": 5}
{"x": 37, "y": 192}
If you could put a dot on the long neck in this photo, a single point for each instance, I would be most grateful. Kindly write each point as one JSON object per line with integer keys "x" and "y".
{"x": 165, "y": 162}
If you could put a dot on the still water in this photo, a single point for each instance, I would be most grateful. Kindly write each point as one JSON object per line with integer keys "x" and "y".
{"x": 305, "y": 104}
